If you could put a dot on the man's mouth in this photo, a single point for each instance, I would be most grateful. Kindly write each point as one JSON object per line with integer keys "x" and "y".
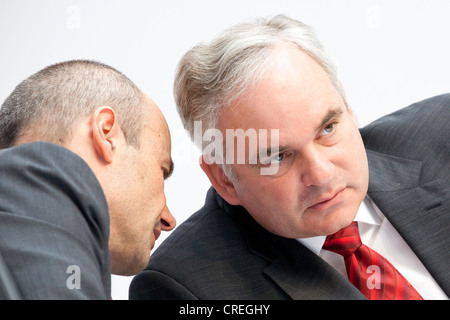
{"x": 328, "y": 200}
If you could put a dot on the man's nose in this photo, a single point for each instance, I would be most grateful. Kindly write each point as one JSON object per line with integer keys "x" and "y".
{"x": 317, "y": 169}
{"x": 168, "y": 221}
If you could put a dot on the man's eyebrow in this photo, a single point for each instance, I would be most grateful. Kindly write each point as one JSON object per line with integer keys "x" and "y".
{"x": 332, "y": 113}
{"x": 269, "y": 151}
{"x": 167, "y": 174}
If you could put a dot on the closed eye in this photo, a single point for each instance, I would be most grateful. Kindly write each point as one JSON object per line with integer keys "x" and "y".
{"x": 168, "y": 172}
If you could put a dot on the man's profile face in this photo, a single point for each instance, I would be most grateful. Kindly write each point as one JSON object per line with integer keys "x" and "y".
{"x": 322, "y": 174}
{"x": 140, "y": 213}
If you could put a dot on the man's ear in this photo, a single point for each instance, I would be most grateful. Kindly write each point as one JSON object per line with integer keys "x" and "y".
{"x": 105, "y": 130}
{"x": 224, "y": 187}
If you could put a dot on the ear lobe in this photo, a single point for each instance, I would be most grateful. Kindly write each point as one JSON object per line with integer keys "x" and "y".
{"x": 224, "y": 187}
{"x": 104, "y": 132}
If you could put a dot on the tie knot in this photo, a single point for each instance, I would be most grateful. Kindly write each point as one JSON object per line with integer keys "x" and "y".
{"x": 345, "y": 241}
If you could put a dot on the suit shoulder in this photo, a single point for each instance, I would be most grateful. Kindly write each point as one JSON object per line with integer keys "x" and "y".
{"x": 207, "y": 230}
{"x": 431, "y": 111}
{"x": 52, "y": 182}
{"x": 421, "y": 127}
{"x": 53, "y": 209}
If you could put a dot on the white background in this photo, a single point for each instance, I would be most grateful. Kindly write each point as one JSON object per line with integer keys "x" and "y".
{"x": 391, "y": 53}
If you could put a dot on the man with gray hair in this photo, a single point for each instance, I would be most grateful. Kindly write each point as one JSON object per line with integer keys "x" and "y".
{"x": 84, "y": 157}
{"x": 321, "y": 225}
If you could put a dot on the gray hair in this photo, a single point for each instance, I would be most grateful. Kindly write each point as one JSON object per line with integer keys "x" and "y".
{"x": 51, "y": 102}
{"x": 212, "y": 76}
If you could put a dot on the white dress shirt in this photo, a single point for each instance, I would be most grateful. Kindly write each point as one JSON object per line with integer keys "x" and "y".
{"x": 379, "y": 234}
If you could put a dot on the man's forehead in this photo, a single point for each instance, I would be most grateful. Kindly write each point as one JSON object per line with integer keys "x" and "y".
{"x": 157, "y": 133}
{"x": 155, "y": 120}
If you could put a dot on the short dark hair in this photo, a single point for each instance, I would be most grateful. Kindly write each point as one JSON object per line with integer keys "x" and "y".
{"x": 51, "y": 102}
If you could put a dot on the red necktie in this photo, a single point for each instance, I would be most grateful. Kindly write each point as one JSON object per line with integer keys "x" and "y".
{"x": 367, "y": 270}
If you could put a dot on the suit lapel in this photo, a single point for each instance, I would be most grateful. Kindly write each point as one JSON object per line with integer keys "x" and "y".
{"x": 300, "y": 273}
{"x": 303, "y": 275}
{"x": 418, "y": 212}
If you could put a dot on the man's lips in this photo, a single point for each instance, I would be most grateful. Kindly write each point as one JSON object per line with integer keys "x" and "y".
{"x": 328, "y": 200}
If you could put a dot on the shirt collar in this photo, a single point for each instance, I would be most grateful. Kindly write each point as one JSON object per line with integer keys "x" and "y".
{"x": 368, "y": 213}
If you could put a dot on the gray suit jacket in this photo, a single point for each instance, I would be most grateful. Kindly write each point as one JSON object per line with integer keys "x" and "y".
{"x": 54, "y": 224}
{"x": 220, "y": 252}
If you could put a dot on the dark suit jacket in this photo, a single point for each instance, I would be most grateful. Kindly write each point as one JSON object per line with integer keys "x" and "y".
{"x": 53, "y": 215}
{"x": 220, "y": 252}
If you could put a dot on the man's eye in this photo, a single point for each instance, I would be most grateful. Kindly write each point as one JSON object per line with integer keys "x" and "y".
{"x": 279, "y": 157}
{"x": 328, "y": 129}
{"x": 274, "y": 159}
